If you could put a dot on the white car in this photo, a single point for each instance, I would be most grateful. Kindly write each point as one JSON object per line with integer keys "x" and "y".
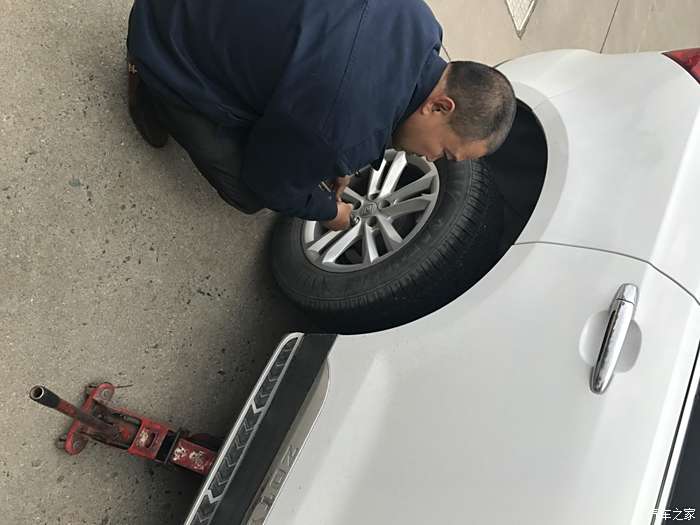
{"x": 554, "y": 386}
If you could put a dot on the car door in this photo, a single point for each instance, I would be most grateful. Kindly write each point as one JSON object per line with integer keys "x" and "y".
{"x": 483, "y": 412}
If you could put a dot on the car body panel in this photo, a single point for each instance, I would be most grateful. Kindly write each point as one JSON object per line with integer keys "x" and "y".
{"x": 623, "y": 136}
{"x": 482, "y": 411}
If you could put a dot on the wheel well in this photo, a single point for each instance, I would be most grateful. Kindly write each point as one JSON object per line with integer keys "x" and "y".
{"x": 519, "y": 168}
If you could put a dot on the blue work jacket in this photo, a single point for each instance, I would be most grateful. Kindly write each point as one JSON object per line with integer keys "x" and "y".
{"x": 321, "y": 84}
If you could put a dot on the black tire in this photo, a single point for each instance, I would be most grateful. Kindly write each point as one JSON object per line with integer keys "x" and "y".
{"x": 458, "y": 244}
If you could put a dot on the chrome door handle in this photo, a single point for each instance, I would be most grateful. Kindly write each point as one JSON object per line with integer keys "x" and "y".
{"x": 621, "y": 314}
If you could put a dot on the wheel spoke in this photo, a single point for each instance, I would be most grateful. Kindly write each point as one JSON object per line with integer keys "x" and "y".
{"x": 353, "y": 196}
{"x": 391, "y": 237}
{"x": 413, "y": 205}
{"x": 392, "y": 197}
{"x": 369, "y": 246}
{"x": 346, "y": 240}
{"x": 421, "y": 185}
{"x": 323, "y": 241}
{"x": 394, "y": 173}
{"x": 375, "y": 178}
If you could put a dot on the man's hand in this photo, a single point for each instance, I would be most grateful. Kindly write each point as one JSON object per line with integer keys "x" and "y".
{"x": 342, "y": 218}
{"x": 339, "y": 185}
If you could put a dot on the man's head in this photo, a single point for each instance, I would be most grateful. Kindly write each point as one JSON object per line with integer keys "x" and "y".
{"x": 468, "y": 115}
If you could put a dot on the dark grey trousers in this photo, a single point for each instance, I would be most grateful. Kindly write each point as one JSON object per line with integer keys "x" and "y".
{"x": 215, "y": 150}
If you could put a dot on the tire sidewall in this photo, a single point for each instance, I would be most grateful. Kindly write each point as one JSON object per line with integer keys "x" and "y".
{"x": 304, "y": 281}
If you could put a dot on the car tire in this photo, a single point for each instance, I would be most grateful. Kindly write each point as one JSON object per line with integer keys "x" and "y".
{"x": 457, "y": 245}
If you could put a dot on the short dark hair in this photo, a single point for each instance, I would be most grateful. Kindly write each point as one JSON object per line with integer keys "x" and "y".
{"x": 485, "y": 102}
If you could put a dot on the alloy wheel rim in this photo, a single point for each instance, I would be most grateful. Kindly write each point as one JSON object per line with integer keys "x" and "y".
{"x": 391, "y": 206}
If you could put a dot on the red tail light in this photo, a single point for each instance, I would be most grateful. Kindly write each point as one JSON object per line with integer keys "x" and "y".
{"x": 689, "y": 59}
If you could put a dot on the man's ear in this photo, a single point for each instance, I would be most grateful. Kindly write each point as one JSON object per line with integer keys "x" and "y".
{"x": 443, "y": 104}
{"x": 439, "y": 103}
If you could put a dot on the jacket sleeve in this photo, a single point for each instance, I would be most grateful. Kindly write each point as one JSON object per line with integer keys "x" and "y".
{"x": 283, "y": 164}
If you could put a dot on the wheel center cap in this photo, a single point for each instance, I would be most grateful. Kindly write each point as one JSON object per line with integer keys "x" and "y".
{"x": 368, "y": 209}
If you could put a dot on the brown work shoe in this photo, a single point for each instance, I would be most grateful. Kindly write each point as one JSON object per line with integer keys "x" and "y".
{"x": 142, "y": 112}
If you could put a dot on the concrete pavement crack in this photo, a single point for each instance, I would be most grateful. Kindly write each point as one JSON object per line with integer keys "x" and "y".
{"x": 607, "y": 33}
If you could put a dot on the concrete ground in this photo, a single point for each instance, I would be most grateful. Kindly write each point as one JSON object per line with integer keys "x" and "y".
{"x": 119, "y": 262}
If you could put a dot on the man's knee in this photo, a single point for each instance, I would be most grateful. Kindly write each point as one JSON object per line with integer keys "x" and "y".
{"x": 249, "y": 205}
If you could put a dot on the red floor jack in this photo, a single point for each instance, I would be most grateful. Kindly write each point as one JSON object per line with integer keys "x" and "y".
{"x": 98, "y": 419}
